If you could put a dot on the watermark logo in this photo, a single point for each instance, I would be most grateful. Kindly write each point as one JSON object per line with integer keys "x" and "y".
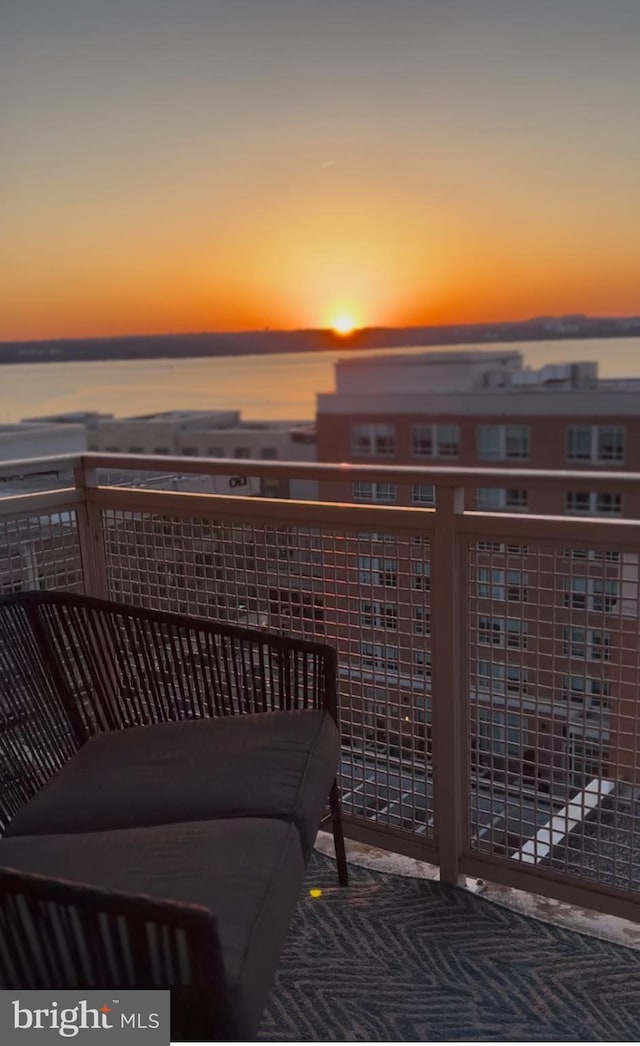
{"x": 45, "y": 1017}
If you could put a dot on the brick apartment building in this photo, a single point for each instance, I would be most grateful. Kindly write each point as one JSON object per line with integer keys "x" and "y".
{"x": 553, "y": 632}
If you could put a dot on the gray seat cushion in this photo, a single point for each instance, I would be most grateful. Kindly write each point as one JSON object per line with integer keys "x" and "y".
{"x": 247, "y": 871}
{"x": 272, "y": 764}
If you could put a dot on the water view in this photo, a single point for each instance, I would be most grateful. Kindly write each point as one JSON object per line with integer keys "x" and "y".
{"x": 268, "y": 387}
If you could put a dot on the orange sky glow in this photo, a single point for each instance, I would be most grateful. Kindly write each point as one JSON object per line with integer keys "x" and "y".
{"x": 152, "y": 186}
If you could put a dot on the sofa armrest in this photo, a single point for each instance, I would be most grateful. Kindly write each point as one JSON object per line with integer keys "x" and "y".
{"x": 60, "y": 934}
{"x": 120, "y": 666}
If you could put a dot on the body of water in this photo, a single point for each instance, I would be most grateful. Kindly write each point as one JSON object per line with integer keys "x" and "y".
{"x": 269, "y": 387}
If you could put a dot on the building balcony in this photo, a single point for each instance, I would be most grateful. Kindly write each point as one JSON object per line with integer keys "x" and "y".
{"x": 489, "y": 662}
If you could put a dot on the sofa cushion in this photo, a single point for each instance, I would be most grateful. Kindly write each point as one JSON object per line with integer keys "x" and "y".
{"x": 247, "y": 871}
{"x": 271, "y": 764}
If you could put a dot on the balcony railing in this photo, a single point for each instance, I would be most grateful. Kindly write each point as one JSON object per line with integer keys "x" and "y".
{"x": 489, "y": 662}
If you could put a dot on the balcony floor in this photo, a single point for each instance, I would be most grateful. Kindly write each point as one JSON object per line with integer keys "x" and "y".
{"x": 406, "y": 959}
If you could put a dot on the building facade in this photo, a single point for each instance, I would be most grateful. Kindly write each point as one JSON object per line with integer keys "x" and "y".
{"x": 213, "y": 434}
{"x": 553, "y": 632}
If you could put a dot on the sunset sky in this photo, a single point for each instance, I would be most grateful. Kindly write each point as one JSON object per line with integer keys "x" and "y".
{"x": 177, "y": 165}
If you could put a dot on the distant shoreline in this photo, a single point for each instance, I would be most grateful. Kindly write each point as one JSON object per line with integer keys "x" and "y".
{"x": 260, "y": 343}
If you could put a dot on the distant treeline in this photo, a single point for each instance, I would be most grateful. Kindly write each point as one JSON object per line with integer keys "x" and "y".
{"x": 166, "y": 346}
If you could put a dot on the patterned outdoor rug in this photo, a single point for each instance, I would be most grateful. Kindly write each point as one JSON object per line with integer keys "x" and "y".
{"x": 390, "y": 958}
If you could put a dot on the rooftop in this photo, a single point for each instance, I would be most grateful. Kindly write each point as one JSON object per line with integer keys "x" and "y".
{"x": 204, "y": 420}
{"x": 474, "y": 383}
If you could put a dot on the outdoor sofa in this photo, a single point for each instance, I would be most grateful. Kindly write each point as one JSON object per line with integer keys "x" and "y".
{"x": 162, "y": 780}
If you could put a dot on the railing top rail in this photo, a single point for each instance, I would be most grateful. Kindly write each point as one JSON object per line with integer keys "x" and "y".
{"x": 347, "y": 472}
{"x": 31, "y": 466}
{"x": 17, "y": 506}
{"x": 574, "y": 530}
{"x": 270, "y": 511}
{"x": 448, "y": 476}
{"x": 443, "y": 476}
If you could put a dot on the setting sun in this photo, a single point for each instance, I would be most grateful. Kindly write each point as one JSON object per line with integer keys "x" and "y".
{"x": 344, "y": 324}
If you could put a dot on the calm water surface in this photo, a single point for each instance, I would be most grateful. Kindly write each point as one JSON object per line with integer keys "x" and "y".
{"x": 270, "y": 387}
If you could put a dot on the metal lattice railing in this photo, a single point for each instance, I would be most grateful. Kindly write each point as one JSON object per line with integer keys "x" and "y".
{"x": 364, "y": 591}
{"x": 489, "y": 664}
{"x": 40, "y": 551}
{"x": 554, "y": 645}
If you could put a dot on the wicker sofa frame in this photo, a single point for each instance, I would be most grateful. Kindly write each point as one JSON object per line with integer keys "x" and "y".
{"x": 73, "y": 668}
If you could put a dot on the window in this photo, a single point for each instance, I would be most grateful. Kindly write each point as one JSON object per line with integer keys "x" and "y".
{"x": 491, "y": 585}
{"x": 384, "y": 493}
{"x": 422, "y": 663}
{"x": 586, "y": 758}
{"x": 136, "y": 450}
{"x": 575, "y": 642}
{"x": 491, "y": 631}
{"x": 503, "y": 441}
{"x": 517, "y": 591}
{"x": 423, "y": 494}
{"x": 160, "y": 450}
{"x": 190, "y": 452}
{"x": 587, "y": 644}
{"x": 435, "y": 441}
{"x": 268, "y": 453}
{"x": 603, "y": 594}
{"x": 575, "y": 592}
{"x": 379, "y": 615}
{"x": 516, "y": 634}
{"x": 516, "y": 680}
{"x": 421, "y": 576}
{"x": 372, "y": 439}
{"x": 490, "y": 443}
{"x": 516, "y": 440}
{"x": 579, "y": 443}
{"x": 421, "y": 622}
{"x": 491, "y": 498}
{"x": 501, "y": 679}
{"x": 242, "y": 452}
{"x": 500, "y": 734}
{"x": 580, "y": 502}
{"x": 599, "y": 646}
{"x": 375, "y": 571}
{"x": 215, "y": 452}
{"x": 498, "y": 631}
{"x": 378, "y": 657}
{"x": 610, "y": 442}
{"x": 577, "y": 688}
{"x": 582, "y": 593}
{"x": 595, "y": 555}
{"x": 595, "y": 443}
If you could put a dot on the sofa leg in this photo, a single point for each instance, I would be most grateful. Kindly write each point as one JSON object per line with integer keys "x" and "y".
{"x": 338, "y": 836}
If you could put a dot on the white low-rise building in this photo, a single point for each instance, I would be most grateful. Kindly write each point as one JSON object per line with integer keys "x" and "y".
{"x": 36, "y": 439}
{"x": 213, "y": 434}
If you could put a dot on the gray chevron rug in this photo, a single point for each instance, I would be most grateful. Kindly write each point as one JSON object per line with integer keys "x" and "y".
{"x": 394, "y": 959}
